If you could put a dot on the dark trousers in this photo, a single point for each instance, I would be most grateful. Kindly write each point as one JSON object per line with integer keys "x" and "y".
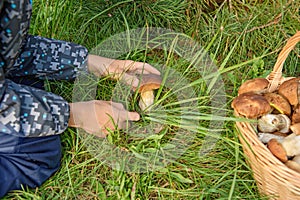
{"x": 27, "y": 161}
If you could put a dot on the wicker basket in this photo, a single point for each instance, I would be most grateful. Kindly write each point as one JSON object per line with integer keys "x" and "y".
{"x": 273, "y": 178}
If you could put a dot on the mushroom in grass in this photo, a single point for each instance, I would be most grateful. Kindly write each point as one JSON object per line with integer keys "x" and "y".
{"x": 149, "y": 83}
{"x": 271, "y": 122}
{"x": 289, "y": 90}
{"x": 278, "y": 102}
{"x": 256, "y": 85}
{"x": 251, "y": 105}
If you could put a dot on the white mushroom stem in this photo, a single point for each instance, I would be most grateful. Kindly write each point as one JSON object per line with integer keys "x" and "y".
{"x": 294, "y": 163}
{"x": 291, "y": 144}
{"x": 270, "y": 123}
{"x": 266, "y": 137}
{"x": 146, "y": 99}
{"x": 286, "y": 127}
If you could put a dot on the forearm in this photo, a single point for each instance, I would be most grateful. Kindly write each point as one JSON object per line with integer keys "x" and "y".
{"x": 30, "y": 112}
{"x": 49, "y": 58}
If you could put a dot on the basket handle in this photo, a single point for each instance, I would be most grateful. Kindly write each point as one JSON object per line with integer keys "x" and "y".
{"x": 275, "y": 77}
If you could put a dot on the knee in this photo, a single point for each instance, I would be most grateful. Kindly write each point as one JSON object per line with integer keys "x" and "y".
{"x": 36, "y": 160}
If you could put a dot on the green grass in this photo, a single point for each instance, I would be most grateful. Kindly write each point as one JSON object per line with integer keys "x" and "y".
{"x": 242, "y": 37}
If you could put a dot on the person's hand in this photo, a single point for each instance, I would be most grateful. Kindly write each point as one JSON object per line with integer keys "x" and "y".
{"x": 98, "y": 117}
{"x": 124, "y": 70}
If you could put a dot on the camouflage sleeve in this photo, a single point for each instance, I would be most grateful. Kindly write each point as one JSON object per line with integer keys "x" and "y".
{"x": 26, "y": 111}
{"x": 49, "y": 58}
{"x": 29, "y": 112}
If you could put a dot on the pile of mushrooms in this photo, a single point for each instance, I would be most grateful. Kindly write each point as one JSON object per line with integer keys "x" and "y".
{"x": 277, "y": 114}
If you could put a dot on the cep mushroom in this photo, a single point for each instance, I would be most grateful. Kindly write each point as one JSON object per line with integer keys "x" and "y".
{"x": 289, "y": 90}
{"x": 256, "y": 85}
{"x": 251, "y": 105}
{"x": 278, "y": 102}
{"x": 277, "y": 149}
{"x": 271, "y": 122}
{"x": 295, "y": 128}
{"x": 296, "y": 115}
{"x": 285, "y": 148}
{"x": 148, "y": 84}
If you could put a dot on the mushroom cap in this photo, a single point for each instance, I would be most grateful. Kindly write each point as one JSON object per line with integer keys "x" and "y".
{"x": 256, "y": 85}
{"x": 251, "y": 105}
{"x": 277, "y": 150}
{"x": 149, "y": 82}
{"x": 289, "y": 90}
{"x": 279, "y": 103}
{"x": 295, "y": 128}
{"x": 296, "y": 115}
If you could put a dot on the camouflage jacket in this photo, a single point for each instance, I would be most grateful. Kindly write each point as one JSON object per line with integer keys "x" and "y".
{"x": 27, "y": 111}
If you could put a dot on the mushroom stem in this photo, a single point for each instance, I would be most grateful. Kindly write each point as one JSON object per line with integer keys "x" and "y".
{"x": 270, "y": 123}
{"x": 146, "y": 99}
{"x": 291, "y": 144}
{"x": 266, "y": 137}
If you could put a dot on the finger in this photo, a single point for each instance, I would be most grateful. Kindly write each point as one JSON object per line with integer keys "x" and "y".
{"x": 143, "y": 68}
{"x": 125, "y": 125}
{"x": 151, "y": 69}
{"x": 118, "y": 106}
{"x": 133, "y": 116}
{"x": 101, "y": 132}
{"x": 130, "y": 80}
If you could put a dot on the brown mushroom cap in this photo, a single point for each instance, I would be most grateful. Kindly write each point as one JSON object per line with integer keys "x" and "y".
{"x": 149, "y": 82}
{"x": 289, "y": 90}
{"x": 251, "y": 105}
{"x": 295, "y": 128}
{"x": 279, "y": 103}
{"x": 296, "y": 115}
{"x": 256, "y": 85}
{"x": 277, "y": 150}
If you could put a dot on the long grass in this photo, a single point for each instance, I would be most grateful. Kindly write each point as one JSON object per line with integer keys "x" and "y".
{"x": 242, "y": 38}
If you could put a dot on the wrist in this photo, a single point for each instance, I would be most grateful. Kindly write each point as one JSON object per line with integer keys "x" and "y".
{"x": 71, "y": 122}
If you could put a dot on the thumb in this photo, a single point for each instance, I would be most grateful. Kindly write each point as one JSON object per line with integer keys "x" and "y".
{"x": 133, "y": 116}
